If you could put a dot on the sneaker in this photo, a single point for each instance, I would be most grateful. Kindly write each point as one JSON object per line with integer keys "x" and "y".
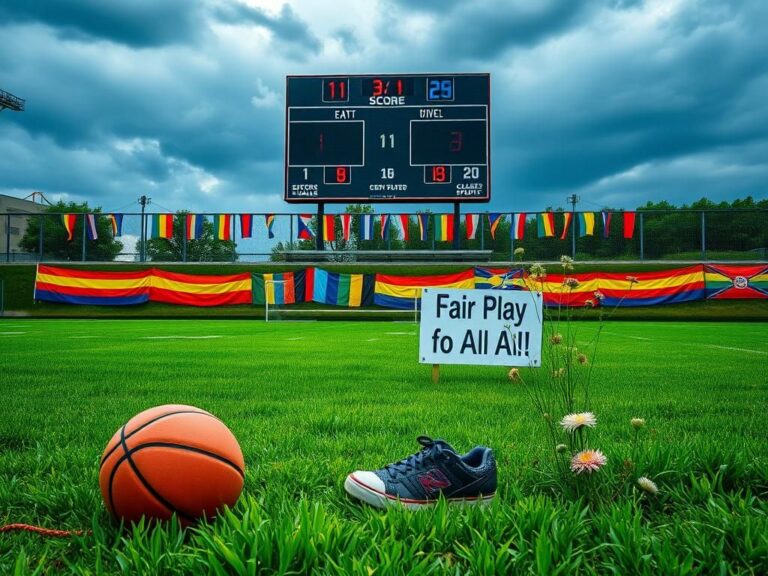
{"x": 421, "y": 479}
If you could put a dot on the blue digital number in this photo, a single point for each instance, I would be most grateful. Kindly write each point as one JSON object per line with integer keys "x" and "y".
{"x": 440, "y": 89}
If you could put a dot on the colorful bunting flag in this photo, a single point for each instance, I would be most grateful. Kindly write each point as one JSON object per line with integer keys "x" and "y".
{"x": 246, "y": 225}
{"x": 567, "y": 217}
{"x": 116, "y": 221}
{"x": 494, "y": 220}
{"x": 471, "y": 221}
{"x": 423, "y": 226}
{"x": 366, "y": 226}
{"x": 586, "y": 223}
{"x": 162, "y": 226}
{"x": 444, "y": 227}
{"x": 346, "y": 222}
{"x": 269, "y": 220}
{"x": 329, "y": 227}
{"x": 402, "y": 221}
{"x": 545, "y": 223}
{"x": 518, "y": 226}
{"x": 222, "y": 226}
{"x": 304, "y": 232}
{"x": 90, "y": 227}
{"x": 629, "y": 224}
{"x": 69, "y": 224}
{"x": 195, "y": 226}
{"x": 606, "y": 224}
{"x": 384, "y": 232}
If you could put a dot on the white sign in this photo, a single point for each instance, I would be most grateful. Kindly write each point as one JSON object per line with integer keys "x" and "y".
{"x": 483, "y": 327}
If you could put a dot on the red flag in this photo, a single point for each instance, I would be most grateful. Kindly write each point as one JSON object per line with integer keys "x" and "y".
{"x": 329, "y": 228}
{"x": 403, "y": 219}
{"x": 629, "y": 224}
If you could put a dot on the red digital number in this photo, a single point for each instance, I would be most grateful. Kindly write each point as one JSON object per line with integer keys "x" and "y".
{"x": 378, "y": 87}
{"x": 399, "y": 84}
{"x": 438, "y": 174}
{"x": 341, "y": 174}
{"x": 337, "y": 90}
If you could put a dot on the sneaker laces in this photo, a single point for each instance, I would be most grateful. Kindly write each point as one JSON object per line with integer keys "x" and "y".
{"x": 430, "y": 451}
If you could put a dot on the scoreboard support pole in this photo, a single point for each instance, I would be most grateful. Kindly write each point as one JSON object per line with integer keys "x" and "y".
{"x": 456, "y": 226}
{"x": 319, "y": 244}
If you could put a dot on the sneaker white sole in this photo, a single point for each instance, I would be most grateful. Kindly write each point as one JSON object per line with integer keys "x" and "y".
{"x": 379, "y": 499}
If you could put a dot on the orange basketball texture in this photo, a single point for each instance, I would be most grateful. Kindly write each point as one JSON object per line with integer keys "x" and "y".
{"x": 171, "y": 458}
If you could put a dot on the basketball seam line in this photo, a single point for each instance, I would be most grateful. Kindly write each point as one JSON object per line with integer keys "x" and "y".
{"x": 140, "y": 477}
{"x": 190, "y": 449}
{"x": 108, "y": 454}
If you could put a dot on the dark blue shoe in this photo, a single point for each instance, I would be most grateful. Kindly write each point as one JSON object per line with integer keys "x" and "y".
{"x": 422, "y": 478}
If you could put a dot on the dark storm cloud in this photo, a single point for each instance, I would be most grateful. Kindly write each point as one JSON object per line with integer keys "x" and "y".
{"x": 681, "y": 95}
{"x": 134, "y": 22}
{"x": 604, "y": 99}
{"x": 286, "y": 27}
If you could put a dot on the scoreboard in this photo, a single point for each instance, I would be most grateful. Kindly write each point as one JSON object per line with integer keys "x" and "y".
{"x": 388, "y": 138}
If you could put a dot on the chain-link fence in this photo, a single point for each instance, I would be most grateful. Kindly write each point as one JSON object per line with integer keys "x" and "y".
{"x": 132, "y": 237}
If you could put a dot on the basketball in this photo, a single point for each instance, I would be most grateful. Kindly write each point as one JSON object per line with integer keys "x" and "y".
{"x": 168, "y": 459}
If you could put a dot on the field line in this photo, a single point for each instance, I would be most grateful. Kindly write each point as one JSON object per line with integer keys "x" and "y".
{"x": 734, "y": 348}
{"x": 178, "y": 337}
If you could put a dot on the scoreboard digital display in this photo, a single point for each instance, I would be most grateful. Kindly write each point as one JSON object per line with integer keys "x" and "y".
{"x": 388, "y": 138}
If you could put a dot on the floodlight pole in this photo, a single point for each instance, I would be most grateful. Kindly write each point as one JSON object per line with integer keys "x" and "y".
{"x": 144, "y": 201}
{"x": 573, "y": 199}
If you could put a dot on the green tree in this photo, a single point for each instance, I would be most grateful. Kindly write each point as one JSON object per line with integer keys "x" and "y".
{"x": 55, "y": 243}
{"x": 204, "y": 249}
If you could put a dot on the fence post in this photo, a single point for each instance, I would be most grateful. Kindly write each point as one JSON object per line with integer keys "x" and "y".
{"x": 40, "y": 238}
{"x": 482, "y": 230}
{"x": 642, "y": 240}
{"x": 183, "y": 237}
{"x": 82, "y": 258}
{"x": 7, "y": 237}
{"x": 703, "y": 235}
{"x": 2, "y": 297}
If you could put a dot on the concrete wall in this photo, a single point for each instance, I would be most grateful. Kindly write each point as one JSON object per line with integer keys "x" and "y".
{"x": 18, "y": 225}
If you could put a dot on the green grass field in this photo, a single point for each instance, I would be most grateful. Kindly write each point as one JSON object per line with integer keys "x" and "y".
{"x": 311, "y": 402}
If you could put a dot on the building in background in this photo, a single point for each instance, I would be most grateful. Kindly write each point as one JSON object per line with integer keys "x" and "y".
{"x": 12, "y": 229}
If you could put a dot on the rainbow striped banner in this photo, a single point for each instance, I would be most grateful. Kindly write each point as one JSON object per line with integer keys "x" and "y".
{"x": 162, "y": 225}
{"x": 89, "y": 287}
{"x": 545, "y": 222}
{"x": 404, "y": 292}
{"x": 567, "y": 218}
{"x": 444, "y": 227}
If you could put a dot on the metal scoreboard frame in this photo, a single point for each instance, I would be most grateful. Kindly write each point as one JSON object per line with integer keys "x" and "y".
{"x": 388, "y": 138}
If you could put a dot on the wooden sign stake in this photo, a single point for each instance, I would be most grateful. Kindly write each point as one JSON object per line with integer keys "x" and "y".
{"x": 435, "y": 373}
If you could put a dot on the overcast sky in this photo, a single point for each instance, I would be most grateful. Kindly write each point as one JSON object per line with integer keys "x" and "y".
{"x": 618, "y": 101}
